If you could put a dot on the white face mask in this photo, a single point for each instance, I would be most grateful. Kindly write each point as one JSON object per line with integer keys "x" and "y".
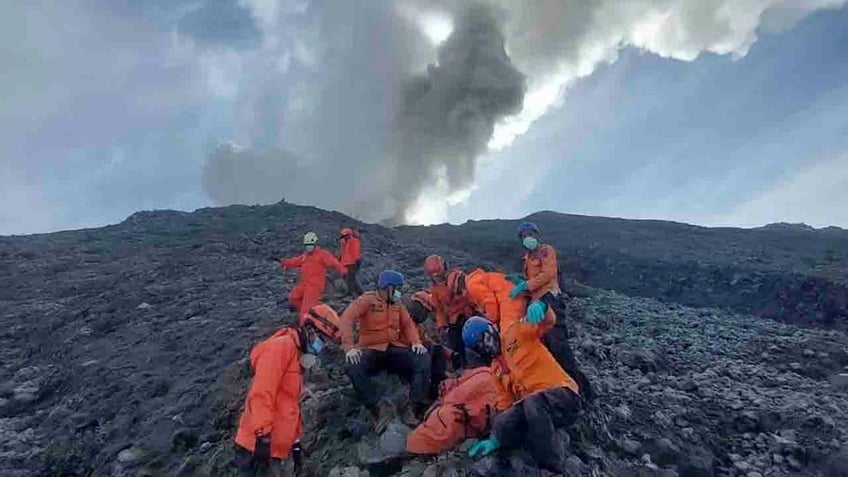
{"x": 396, "y": 296}
{"x": 309, "y": 248}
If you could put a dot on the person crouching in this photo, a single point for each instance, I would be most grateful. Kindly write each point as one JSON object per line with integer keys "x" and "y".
{"x": 267, "y": 439}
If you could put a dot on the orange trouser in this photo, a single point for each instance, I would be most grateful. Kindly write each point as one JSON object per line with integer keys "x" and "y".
{"x": 305, "y": 296}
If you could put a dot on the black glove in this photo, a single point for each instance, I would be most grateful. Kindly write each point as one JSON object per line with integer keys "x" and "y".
{"x": 297, "y": 457}
{"x": 262, "y": 450}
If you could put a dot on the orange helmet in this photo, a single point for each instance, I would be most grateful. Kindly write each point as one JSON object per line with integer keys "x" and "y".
{"x": 456, "y": 282}
{"x": 346, "y": 232}
{"x": 325, "y": 320}
{"x": 434, "y": 265}
{"x": 424, "y": 298}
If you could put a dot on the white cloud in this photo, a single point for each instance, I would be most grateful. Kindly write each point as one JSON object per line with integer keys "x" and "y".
{"x": 814, "y": 194}
{"x": 557, "y": 42}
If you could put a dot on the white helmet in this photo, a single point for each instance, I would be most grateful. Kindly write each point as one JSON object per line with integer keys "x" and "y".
{"x": 311, "y": 238}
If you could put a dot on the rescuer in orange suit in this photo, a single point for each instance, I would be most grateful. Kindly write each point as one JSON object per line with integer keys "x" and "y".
{"x": 270, "y": 426}
{"x": 451, "y": 312}
{"x": 313, "y": 264}
{"x": 388, "y": 341}
{"x": 535, "y": 396}
{"x": 464, "y": 410}
{"x": 350, "y": 256}
{"x": 541, "y": 284}
{"x": 490, "y": 293}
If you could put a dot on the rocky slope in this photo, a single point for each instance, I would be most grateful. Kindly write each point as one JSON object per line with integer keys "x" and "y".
{"x": 123, "y": 352}
{"x": 791, "y": 273}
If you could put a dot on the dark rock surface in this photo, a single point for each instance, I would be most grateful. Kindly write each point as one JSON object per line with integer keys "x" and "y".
{"x": 785, "y": 272}
{"x": 123, "y": 352}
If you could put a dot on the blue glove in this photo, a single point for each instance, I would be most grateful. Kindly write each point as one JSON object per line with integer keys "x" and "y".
{"x": 518, "y": 289}
{"x": 536, "y": 312}
{"x": 515, "y": 278}
{"x": 484, "y": 447}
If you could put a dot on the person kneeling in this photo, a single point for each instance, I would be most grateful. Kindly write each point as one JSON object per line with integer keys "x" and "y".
{"x": 536, "y": 396}
{"x": 388, "y": 341}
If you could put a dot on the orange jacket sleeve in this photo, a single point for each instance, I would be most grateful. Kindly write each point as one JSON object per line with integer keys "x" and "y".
{"x": 440, "y": 306}
{"x": 410, "y": 331}
{"x": 351, "y": 315}
{"x": 263, "y": 392}
{"x": 525, "y": 331}
{"x": 293, "y": 262}
{"x": 441, "y": 317}
{"x": 549, "y": 270}
{"x": 505, "y": 397}
{"x": 483, "y": 295}
{"x": 331, "y": 261}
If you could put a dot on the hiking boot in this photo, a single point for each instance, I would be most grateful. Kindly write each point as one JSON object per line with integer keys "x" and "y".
{"x": 382, "y": 413}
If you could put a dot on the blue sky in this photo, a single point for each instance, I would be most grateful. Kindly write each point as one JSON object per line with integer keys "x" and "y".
{"x": 111, "y": 107}
{"x": 707, "y": 141}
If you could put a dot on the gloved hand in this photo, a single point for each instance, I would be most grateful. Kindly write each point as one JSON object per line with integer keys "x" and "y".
{"x": 419, "y": 349}
{"x": 515, "y": 278}
{"x": 518, "y": 289}
{"x": 353, "y": 356}
{"x": 262, "y": 449}
{"x": 536, "y": 312}
{"x": 484, "y": 447}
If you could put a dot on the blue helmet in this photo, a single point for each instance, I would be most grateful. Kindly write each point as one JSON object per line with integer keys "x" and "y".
{"x": 474, "y": 330}
{"x": 390, "y": 278}
{"x": 528, "y": 227}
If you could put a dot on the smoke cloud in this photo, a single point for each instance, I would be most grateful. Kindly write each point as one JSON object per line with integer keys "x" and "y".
{"x": 351, "y": 106}
{"x": 447, "y": 116}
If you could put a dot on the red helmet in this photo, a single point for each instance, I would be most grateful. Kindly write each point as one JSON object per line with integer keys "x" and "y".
{"x": 456, "y": 282}
{"x": 346, "y": 232}
{"x": 434, "y": 265}
{"x": 325, "y": 320}
{"x": 424, "y": 298}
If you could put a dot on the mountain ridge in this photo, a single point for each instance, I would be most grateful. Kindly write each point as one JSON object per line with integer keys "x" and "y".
{"x": 124, "y": 352}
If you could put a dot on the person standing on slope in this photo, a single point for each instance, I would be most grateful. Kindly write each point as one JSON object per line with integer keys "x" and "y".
{"x": 535, "y": 396}
{"x": 350, "y": 256}
{"x": 451, "y": 312}
{"x": 541, "y": 283}
{"x": 388, "y": 341}
{"x": 271, "y": 424}
{"x": 313, "y": 264}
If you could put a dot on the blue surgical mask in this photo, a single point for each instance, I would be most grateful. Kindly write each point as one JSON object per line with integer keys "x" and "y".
{"x": 530, "y": 243}
{"x": 396, "y": 296}
{"x": 316, "y": 346}
{"x": 310, "y": 248}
